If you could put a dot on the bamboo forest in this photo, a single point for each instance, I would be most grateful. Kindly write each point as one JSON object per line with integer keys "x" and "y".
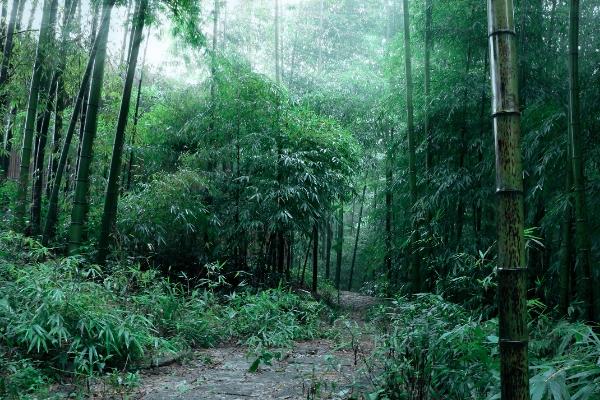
{"x": 300, "y": 199}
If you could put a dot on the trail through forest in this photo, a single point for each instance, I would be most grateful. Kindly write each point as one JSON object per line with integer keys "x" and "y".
{"x": 311, "y": 370}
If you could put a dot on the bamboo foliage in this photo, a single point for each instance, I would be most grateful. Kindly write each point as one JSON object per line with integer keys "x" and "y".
{"x": 512, "y": 274}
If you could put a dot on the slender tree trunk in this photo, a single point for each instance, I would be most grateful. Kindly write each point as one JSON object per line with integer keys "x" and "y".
{"x": 3, "y": 15}
{"x": 80, "y": 201}
{"x": 339, "y": 246}
{"x": 10, "y": 123}
{"x": 277, "y": 72}
{"x": 32, "y": 11}
{"x": 388, "y": 208}
{"x": 583, "y": 244}
{"x": 566, "y": 254}
{"x": 30, "y": 118}
{"x": 136, "y": 117}
{"x": 462, "y": 154}
{"x": 328, "y": 248}
{"x": 315, "y": 257}
{"x": 111, "y": 198}
{"x": 412, "y": 172}
{"x": 512, "y": 274}
{"x": 53, "y": 93}
{"x": 52, "y": 214}
{"x": 125, "y": 31}
{"x": 93, "y": 36}
{"x": 305, "y": 261}
{"x": 19, "y": 22}
{"x": 4, "y": 75}
{"x": 362, "y": 202}
{"x": 213, "y": 62}
{"x": 40, "y": 155}
{"x": 427, "y": 88}
{"x": 7, "y": 52}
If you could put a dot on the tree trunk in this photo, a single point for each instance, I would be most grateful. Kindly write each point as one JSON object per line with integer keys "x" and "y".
{"x": 52, "y": 214}
{"x": 566, "y": 254}
{"x": 111, "y": 198}
{"x": 512, "y": 274}
{"x": 80, "y": 201}
{"x": 32, "y": 11}
{"x": 305, "y": 261}
{"x": 125, "y": 31}
{"x": 4, "y": 75}
{"x": 277, "y": 72}
{"x": 86, "y": 95}
{"x": 136, "y": 117}
{"x": 315, "y": 257}
{"x": 582, "y": 237}
{"x": 19, "y": 22}
{"x": 362, "y": 202}
{"x": 32, "y": 105}
{"x": 427, "y": 88}
{"x": 3, "y": 15}
{"x": 388, "y": 208}
{"x": 328, "y": 248}
{"x": 53, "y": 93}
{"x": 39, "y": 157}
{"x": 412, "y": 172}
{"x": 339, "y": 246}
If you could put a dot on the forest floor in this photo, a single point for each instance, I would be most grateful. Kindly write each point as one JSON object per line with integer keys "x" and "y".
{"x": 315, "y": 369}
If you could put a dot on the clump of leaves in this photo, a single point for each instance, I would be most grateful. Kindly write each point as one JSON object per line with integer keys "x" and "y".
{"x": 273, "y": 318}
{"x": 436, "y": 349}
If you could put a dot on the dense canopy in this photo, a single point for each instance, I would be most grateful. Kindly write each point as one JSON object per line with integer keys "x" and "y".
{"x": 184, "y": 174}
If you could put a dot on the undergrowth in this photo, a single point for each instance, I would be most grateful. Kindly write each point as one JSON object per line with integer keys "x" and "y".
{"x": 434, "y": 349}
{"x": 65, "y": 318}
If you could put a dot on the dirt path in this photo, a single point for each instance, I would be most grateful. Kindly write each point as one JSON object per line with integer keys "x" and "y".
{"x": 316, "y": 369}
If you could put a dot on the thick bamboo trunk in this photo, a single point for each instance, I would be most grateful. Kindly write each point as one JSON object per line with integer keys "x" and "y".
{"x": 512, "y": 274}
{"x": 80, "y": 200}
{"x": 111, "y": 199}
{"x": 582, "y": 237}
{"x": 31, "y": 114}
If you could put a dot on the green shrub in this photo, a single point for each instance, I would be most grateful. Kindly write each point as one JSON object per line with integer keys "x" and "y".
{"x": 166, "y": 220}
{"x": 273, "y": 318}
{"x": 435, "y": 349}
{"x": 53, "y": 311}
{"x": 21, "y": 379}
